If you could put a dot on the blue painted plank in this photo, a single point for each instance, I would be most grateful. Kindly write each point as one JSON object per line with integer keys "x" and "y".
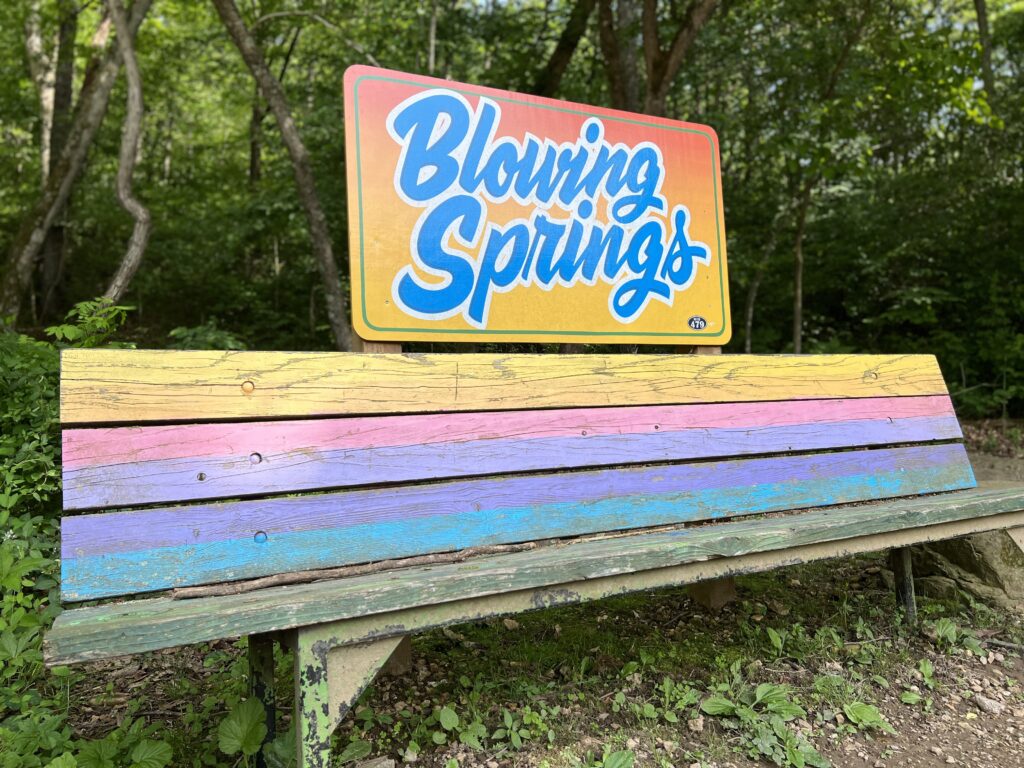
{"x": 123, "y": 553}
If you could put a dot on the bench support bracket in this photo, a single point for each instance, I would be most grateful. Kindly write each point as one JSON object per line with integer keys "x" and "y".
{"x": 903, "y": 575}
{"x": 261, "y": 681}
{"x": 329, "y": 678}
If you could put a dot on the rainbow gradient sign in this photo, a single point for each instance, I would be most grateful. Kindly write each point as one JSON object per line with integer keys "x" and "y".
{"x": 483, "y": 215}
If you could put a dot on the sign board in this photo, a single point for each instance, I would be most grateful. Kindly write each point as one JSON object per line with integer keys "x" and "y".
{"x": 483, "y": 215}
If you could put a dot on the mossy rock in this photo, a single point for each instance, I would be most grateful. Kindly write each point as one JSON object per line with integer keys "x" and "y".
{"x": 988, "y": 566}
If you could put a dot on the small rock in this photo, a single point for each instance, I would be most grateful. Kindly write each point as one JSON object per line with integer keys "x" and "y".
{"x": 696, "y": 725}
{"x": 987, "y": 705}
{"x": 377, "y": 762}
{"x": 510, "y": 624}
{"x": 950, "y": 761}
{"x": 936, "y": 750}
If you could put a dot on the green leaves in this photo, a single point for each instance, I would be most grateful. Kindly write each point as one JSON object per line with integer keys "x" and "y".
{"x": 927, "y": 672}
{"x": 98, "y": 754}
{"x": 866, "y": 717}
{"x": 151, "y": 754}
{"x": 718, "y": 706}
{"x": 775, "y": 639}
{"x": 356, "y": 750}
{"x": 621, "y": 759}
{"x": 244, "y": 729}
{"x": 945, "y": 631}
{"x": 66, "y": 760}
{"x": 448, "y": 719}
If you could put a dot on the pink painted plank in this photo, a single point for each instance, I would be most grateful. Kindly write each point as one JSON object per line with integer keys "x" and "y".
{"x": 120, "y": 445}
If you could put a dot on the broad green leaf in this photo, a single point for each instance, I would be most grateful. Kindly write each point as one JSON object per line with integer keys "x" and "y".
{"x": 945, "y": 630}
{"x": 356, "y": 750}
{"x": 448, "y": 718}
{"x": 244, "y": 729}
{"x": 866, "y": 716}
{"x": 151, "y": 754}
{"x": 67, "y": 760}
{"x": 718, "y": 706}
{"x": 97, "y": 754}
{"x": 621, "y": 759}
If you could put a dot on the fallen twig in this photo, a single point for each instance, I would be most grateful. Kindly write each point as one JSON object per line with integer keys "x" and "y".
{"x": 303, "y": 577}
{"x": 1003, "y": 644}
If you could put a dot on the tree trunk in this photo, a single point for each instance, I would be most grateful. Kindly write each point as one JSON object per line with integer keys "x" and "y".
{"x": 985, "y": 40}
{"x": 92, "y": 106}
{"x": 762, "y": 268}
{"x": 798, "y": 268}
{"x": 256, "y": 139}
{"x": 432, "y": 39}
{"x": 130, "y": 137}
{"x": 42, "y": 71}
{"x": 304, "y": 182}
{"x": 550, "y": 77}
{"x": 663, "y": 66}
{"x": 63, "y": 86}
{"x": 619, "y": 52}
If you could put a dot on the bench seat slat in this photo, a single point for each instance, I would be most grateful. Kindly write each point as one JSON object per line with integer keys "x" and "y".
{"x": 139, "y": 386}
{"x": 143, "y": 625}
{"x": 124, "y": 466}
{"x": 129, "y": 552}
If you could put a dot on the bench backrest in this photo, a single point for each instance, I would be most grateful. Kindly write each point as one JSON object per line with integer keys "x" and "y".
{"x": 182, "y": 468}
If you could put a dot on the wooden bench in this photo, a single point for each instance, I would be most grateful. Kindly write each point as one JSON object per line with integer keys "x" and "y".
{"x": 339, "y": 502}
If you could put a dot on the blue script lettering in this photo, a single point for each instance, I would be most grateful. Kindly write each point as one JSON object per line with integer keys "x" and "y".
{"x": 453, "y": 165}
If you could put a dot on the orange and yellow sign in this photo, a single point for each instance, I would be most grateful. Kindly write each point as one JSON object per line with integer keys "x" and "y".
{"x": 484, "y": 215}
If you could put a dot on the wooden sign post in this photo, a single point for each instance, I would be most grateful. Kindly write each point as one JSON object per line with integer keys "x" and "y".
{"x": 483, "y": 215}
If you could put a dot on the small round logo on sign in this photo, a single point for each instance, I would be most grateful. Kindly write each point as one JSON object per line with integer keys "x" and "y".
{"x": 697, "y": 322}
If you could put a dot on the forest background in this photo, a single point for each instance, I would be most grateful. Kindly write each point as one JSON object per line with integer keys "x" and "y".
{"x": 872, "y": 158}
{"x": 185, "y": 159}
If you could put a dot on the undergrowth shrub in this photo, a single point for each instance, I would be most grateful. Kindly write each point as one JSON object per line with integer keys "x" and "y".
{"x": 33, "y": 700}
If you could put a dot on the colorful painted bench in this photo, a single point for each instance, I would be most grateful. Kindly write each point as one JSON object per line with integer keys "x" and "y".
{"x": 317, "y": 499}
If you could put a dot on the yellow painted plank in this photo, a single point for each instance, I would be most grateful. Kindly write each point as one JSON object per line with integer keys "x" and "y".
{"x": 131, "y": 386}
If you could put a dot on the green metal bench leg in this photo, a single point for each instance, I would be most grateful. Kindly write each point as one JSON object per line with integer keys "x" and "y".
{"x": 903, "y": 574}
{"x": 261, "y": 683}
{"x": 328, "y": 680}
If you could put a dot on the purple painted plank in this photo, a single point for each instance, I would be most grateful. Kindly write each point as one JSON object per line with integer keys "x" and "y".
{"x": 141, "y": 465}
{"x": 91, "y": 535}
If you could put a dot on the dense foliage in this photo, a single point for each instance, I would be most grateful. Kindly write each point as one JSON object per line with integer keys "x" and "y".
{"x": 860, "y": 133}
